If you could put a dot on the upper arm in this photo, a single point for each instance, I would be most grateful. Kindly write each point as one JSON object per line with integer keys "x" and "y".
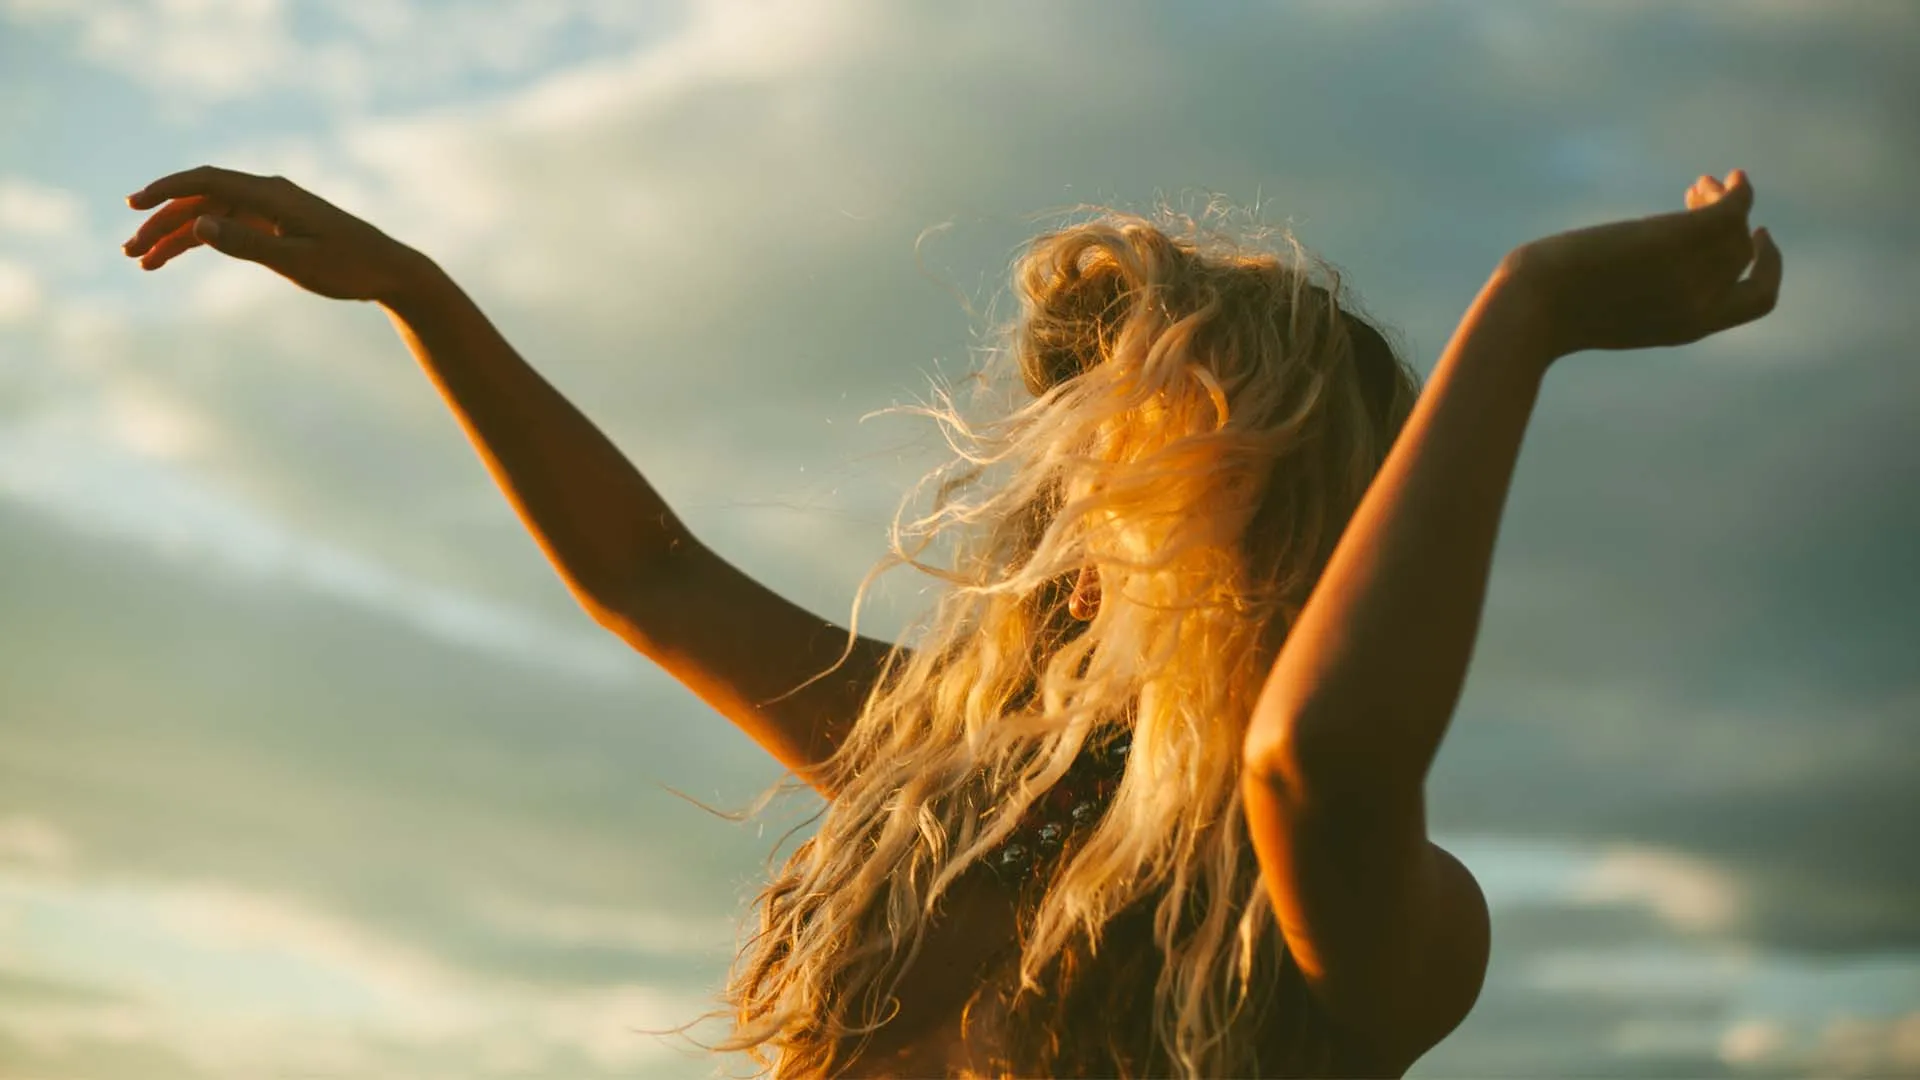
{"x": 1389, "y": 930}
{"x": 746, "y": 651}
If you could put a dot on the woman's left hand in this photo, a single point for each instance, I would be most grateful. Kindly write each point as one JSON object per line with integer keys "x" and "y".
{"x": 1669, "y": 279}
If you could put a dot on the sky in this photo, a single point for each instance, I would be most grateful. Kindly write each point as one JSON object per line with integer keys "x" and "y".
{"x": 310, "y": 766}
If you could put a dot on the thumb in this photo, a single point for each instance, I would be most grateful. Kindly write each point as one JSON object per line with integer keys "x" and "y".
{"x": 242, "y": 241}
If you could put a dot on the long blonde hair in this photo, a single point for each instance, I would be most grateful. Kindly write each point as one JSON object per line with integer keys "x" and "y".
{"x": 1195, "y": 417}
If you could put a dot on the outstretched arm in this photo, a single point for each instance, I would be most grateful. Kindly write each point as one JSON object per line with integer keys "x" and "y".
{"x": 629, "y": 561}
{"x": 1390, "y": 930}
{"x": 622, "y": 553}
{"x": 600, "y": 523}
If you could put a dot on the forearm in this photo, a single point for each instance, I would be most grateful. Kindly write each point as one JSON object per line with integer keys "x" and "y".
{"x": 597, "y": 519}
{"x": 1366, "y": 682}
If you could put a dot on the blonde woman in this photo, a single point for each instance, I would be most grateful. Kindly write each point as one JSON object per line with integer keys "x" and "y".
{"x": 1144, "y": 796}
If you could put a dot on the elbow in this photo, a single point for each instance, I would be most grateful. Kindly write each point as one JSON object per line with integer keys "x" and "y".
{"x": 629, "y": 601}
{"x": 1312, "y": 755}
{"x": 1276, "y": 757}
{"x": 611, "y": 609}
{"x": 619, "y": 610}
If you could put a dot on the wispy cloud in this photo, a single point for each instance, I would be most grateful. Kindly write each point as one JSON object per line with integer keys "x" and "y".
{"x": 345, "y": 55}
{"x": 37, "y": 210}
{"x": 33, "y": 844}
{"x": 234, "y": 981}
{"x": 1845, "y": 1018}
{"x": 97, "y": 472}
{"x": 607, "y": 928}
{"x": 1690, "y": 894}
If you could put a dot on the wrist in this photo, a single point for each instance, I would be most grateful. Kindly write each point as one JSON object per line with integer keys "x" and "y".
{"x": 1517, "y": 298}
{"x": 415, "y": 284}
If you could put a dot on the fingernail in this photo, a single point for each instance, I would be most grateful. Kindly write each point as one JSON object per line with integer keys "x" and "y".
{"x": 208, "y": 227}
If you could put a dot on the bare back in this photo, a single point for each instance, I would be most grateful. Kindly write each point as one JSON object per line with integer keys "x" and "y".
{"x": 955, "y": 1003}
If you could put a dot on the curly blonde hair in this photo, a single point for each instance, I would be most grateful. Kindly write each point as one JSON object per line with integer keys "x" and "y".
{"x": 1195, "y": 417}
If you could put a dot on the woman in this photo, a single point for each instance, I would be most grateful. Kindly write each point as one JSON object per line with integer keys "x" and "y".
{"x": 1145, "y": 795}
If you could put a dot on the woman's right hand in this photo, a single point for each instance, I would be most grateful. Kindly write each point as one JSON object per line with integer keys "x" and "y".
{"x": 274, "y": 222}
{"x": 1669, "y": 279}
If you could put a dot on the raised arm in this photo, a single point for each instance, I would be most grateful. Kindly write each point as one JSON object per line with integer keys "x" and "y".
{"x": 629, "y": 561}
{"x": 622, "y": 553}
{"x": 1391, "y": 931}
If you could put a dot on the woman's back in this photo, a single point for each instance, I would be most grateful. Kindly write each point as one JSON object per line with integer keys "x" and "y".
{"x": 955, "y": 994}
{"x": 956, "y": 1006}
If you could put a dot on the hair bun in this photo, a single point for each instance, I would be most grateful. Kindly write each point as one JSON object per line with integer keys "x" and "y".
{"x": 1072, "y": 310}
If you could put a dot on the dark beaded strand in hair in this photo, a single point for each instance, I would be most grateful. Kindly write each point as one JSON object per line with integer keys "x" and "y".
{"x": 1071, "y": 806}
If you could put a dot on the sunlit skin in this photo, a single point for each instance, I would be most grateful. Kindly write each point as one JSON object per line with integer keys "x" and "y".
{"x": 1389, "y": 929}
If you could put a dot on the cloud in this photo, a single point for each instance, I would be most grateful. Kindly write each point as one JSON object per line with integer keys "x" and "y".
{"x": 564, "y": 204}
{"x": 1782, "y": 18}
{"x": 77, "y": 475}
{"x": 1689, "y": 894}
{"x": 610, "y": 928}
{"x": 162, "y": 958}
{"x": 20, "y": 295}
{"x": 346, "y": 55}
{"x": 212, "y": 48}
{"x": 1685, "y": 892}
{"x": 31, "y": 209}
{"x": 316, "y": 749}
{"x": 1848, "y": 1018}
{"x": 1578, "y": 986}
{"x": 1659, "y": 970}
{"x": 1859, "y": 1046}
{"x": 1753, "y": 1042}
{"x": 33, "y": 844}
{"x": 236, "y": 981}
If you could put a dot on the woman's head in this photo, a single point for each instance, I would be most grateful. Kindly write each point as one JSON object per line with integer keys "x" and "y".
{"x": 1274, "y": 368}
{"x": 1195, "y": 418}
